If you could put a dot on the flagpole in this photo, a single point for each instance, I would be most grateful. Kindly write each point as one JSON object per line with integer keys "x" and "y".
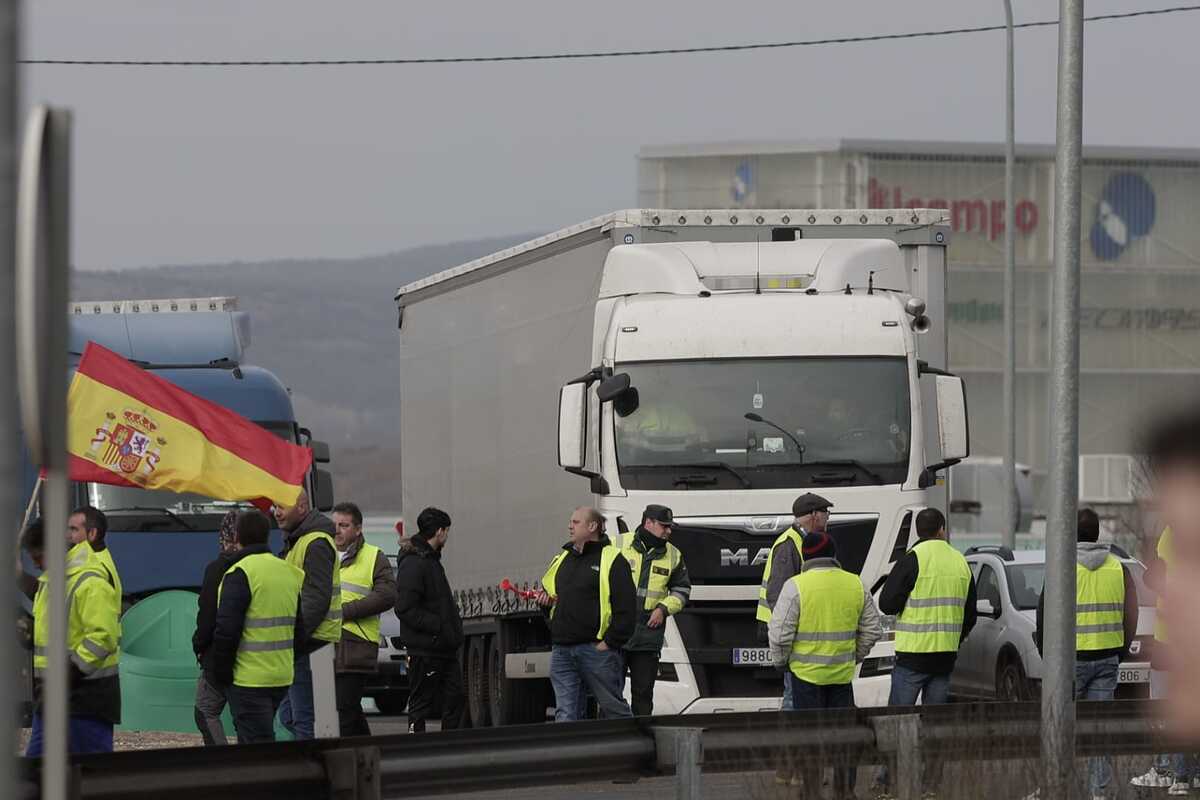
{"x": 33, "y": 496}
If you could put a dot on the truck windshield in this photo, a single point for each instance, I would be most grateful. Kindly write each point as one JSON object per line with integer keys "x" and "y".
{"x": 133, "y": 509}
{"x": 764, "y": 423}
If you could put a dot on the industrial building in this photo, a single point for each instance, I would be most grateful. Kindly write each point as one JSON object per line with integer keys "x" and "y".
{"x": 1140, "y": 302}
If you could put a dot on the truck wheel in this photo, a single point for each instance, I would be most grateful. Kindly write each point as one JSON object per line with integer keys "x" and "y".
{"x": 512, "y": 702}
{"x": 477, "y": 683}
{"x": 1011, "y": 683}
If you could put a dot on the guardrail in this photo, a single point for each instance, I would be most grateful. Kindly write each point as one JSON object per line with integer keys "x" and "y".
{"x": 371, "y": 768}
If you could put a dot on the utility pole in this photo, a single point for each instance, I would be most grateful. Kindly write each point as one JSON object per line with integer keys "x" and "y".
{"x": 10, "y": 467}
{"x": 1058, "y": 706}
{"x": 1012, "y": 510}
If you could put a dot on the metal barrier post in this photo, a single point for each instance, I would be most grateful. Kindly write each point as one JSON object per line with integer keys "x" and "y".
{"x": 682, "y": 750}
{"x": 898, "y": 736}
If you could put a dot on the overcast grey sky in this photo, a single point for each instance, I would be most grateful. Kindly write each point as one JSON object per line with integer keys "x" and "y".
{"x": 182, "y": 165}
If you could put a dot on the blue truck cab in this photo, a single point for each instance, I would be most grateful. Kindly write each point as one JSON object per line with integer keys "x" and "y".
{"x": 163, "y": 540}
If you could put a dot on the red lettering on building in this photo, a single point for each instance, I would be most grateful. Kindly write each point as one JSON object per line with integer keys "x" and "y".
{"x": 973, "y": 215}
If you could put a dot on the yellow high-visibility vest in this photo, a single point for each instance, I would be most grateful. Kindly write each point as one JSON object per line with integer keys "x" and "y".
{"x": 357, "y": 580}
{"x": 763, "y": 614}
{"x": 330, "y": 629}
{"x": 266, "y": 653}
{"x": 93, "y": 611}
{"x": 831, "y": 603}
{"x": 607, "y": 556}
{"x": 1100, "y": 606}
{"x": 932, "y": 619}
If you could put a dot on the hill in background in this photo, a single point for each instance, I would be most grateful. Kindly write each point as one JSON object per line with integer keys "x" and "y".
{"x": 328, "y": 330}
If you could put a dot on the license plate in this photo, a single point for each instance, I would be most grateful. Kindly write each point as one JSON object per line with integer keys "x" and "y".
{"x": 1133, "y": 674}
{"x": 751, "y": 657}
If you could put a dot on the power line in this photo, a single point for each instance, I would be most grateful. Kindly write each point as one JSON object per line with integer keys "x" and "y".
{"x": 727, "y": 48}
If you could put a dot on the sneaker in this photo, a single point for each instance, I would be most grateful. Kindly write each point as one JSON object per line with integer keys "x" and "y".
{"x": 1196, "y": 782}
{"x": 1036, "y": 794}
{"x": 783, "y": 777}
{"x": 1152, "y": 779}
{"x": 1178, "y": 789}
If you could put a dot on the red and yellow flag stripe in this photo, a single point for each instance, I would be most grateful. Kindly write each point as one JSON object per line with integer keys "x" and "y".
{"x": 129, "y": 427}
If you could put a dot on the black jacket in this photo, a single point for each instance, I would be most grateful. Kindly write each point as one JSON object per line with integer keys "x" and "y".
{"x": 576, "y": 617}
{"x": 317, "y": 591}
{"x": 206, "y": 614}
{"x": 430, "y": 624}
{"x": 231, "y": 617}
{"x": 894, "y": 596}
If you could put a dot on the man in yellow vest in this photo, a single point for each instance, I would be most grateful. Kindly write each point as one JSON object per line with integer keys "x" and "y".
{"x": 93, "y": 633}
{"x": 258, "y": 622}
{"x": 663, "y": 589}
{"x": 824, "y": 623}
{"x": 368, "y": 589}
{"x": 1106, "y": 614}
{"x": 88, "y": 523}
{"x": 931, "y": 592}
{"x": 810, "y": 514}
{"x": 588, "y": 589}
{"x": 308, "y": 545}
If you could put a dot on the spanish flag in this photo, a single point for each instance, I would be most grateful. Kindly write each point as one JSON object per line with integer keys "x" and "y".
{"x": 128, "y": 427}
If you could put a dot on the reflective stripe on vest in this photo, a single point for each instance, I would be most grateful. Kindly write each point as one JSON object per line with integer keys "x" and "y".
{"x": 358, "y": 578}
{"x": 93, "y": 629}
{"x": 651, "y": 579}
{"x": 264, "y": 656}
{"x": 763, "y": 613}
{"x": 831, "y": 602}
{"x": 1100, "y": 606}
{"x": 607, "y": 556}
{"x": 931, "y": 621}
{"x": 1166, "y": 553}
{"x": 330, "y": 629}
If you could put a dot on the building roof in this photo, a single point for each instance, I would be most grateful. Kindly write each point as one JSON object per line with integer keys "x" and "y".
{"x": 900, "y": 147}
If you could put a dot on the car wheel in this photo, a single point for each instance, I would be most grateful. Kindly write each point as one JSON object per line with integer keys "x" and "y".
{"x": 1011, "y": 683}
{"x": 391, "y": 704}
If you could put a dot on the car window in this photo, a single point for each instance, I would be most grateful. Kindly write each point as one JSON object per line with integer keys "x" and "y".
{"x": 987, "y": 586}
{"x": 1025, "y": 583}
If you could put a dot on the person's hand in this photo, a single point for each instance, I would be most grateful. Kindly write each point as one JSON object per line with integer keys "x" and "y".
{"x": 657, "y": 618}
{"x": 544, "y": 599}
{"x": 602, "y": 647}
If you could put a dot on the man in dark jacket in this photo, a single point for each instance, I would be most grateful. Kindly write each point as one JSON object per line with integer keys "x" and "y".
{"x": 589, "y": 590}
{"x": 210, "y": 696}
{"x": 310, "y": 706}
{"x": 430, "y": 624}
{"x": 368, "y": 589}
{"x": 258, "y": 621}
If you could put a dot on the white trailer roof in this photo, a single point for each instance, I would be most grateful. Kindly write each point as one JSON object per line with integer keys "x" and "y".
{"x": 698, "y": 218}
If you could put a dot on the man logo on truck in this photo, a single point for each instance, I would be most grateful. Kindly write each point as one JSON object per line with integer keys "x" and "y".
{"x": 741, "y": 557}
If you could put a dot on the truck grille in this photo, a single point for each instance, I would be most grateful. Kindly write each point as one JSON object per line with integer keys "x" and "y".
{"x": 710, "y": 631}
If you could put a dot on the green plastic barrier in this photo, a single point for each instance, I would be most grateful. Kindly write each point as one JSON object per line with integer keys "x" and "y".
{"x": 158, "y": 669}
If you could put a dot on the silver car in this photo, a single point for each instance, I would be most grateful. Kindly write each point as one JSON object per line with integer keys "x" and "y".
{"x": 999, "y": 658}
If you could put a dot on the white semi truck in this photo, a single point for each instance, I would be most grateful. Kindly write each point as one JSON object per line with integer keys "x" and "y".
{"x": 720, "y": 362}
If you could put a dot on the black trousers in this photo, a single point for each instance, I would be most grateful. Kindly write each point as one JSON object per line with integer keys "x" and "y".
{"x": 430, "y": 681}
{"x": 349, "y": 688}
{"x": 643, "y": 671}
{"x": 253, "y": 710}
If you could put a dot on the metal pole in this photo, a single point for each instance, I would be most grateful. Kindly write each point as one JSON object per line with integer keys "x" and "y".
{"x": 10, "y": 466}
{"x": 1058, "y": 708}
{"x": 1011, "y": 517}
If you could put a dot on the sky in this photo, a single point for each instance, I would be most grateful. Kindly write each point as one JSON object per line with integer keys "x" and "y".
{"x": 201, "y": 165}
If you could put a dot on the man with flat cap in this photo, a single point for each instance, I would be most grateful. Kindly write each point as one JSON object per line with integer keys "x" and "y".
{"x": 663, "y": 588}
{"x": 811, "y": 512}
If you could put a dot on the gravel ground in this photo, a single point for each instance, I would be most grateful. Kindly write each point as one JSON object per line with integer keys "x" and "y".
{"x": 139, "y": 740}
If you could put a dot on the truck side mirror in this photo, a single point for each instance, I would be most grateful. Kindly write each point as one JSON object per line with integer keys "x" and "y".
{"x": 952, "y": 417}
{"x": 320, "y": 452}
{"x": 322, "y": 490}
{"x": 613, "y": 387}
{"x": 572, "y": 426}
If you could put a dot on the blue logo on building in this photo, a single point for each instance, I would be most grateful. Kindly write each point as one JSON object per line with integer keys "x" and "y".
{"x": 1124, "y": 214}
{"x": 743, "y": 182}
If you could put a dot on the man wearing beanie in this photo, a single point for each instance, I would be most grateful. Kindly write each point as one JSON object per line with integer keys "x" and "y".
{"x": 663, "y": 588}
{"x": 824, "y": 623}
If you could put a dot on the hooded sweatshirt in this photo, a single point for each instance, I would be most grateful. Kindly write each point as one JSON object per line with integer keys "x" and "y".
{"x": 317, "y": 591}
{"x": 1090, "y": 555}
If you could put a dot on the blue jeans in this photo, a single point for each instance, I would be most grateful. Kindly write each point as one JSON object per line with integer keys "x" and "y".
{"x": 908, "y": 684}
{"x": 807, "y": 696}
{"x": 85, "y": 734}
{"x": 786, "y": 703}
{"x": 1097, "y": 680}
{"x": 296, "y": 711}
{"x": 575, "y": 670}
{"x": 933, "y": 689}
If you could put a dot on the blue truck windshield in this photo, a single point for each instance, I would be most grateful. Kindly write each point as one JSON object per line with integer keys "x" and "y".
{"x": 764, "y": 423}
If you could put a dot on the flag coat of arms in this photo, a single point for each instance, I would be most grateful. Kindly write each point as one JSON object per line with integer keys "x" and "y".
{"x": 129, "y": 427}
